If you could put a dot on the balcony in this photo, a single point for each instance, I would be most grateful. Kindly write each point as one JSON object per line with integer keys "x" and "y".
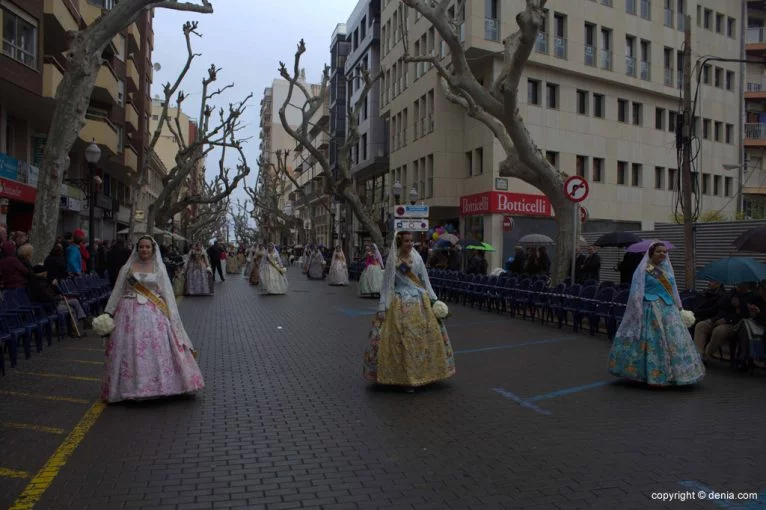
{"x": 134, "y": 38}
{"x": 541, "y": 44}
{"x": 131, "y": 159}
{"x": 668, "y": 77}
{"x": 606, "y": 60}
{"x": 755, "y": 41}
{"x": 97, "y": 127}
{"x": 630, "y": 66}
{"x": 590, "y": 55}
{"x": 53, "y": 73}
{"x": 560, "y": 47}
{"x": 132, "y": 73}
{"x": 59, "y": 11}
{"x": 131, "y": 117}
{"x": 755, "y": 135}
{"x": 106, "y": 89}
{"x": 89, "y": 12}
{"x": 491, "y": 29}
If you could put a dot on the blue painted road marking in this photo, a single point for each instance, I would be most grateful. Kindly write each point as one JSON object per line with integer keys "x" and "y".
{"x": 529, "y": 402}
{"x": 521, "y": 401}
{"x": 699, "y": 487}
{"x": 514, "y": 346}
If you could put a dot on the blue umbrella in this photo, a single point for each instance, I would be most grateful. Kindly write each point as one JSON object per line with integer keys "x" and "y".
{"x": 734, "y": 270}
{"x": 442, "y": 243}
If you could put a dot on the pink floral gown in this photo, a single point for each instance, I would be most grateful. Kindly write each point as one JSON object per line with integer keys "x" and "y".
{"x": 148, "y": 355}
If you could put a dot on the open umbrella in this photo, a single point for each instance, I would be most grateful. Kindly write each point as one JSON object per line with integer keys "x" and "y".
{"x": 469, "y": 242}
{"x": 733, "y": 270}
{"x": 617, "y": 239}
{"x": 481, "y": 247}
{"x": 752, "y": 240}
{"x": 442, "y": 244}
{"x": 642, "y": 246}
{"x": 536, "y": 240}
{"x": 452, "y": 238}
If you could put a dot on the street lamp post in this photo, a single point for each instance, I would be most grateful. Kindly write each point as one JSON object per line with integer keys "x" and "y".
{"x": 397, "y": 189}
{"x": 92, "y": 156}
{"x": 413, "y": 195}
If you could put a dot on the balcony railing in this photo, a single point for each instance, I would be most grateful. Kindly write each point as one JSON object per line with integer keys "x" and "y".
{"x": 590, "y": 55}
{"x": 755, "y": 86}
{"x": 755, "y": 131}
{"x": 606, "y": 60}
{"x": 541, "y": 45}
{"x": 630, "y": 66}
{"x": 645, "y": 71}
{"x": 560, "y": 47}
{"x": 491, "y": 29}
{"x": 668, "y": 77}
{"x": 755, "y": 35}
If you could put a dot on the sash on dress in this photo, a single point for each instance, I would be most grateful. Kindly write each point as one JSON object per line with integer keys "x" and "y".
{"x": 660, "y": 275}
{"x": 271, "y": 261}
{"x": 141, "y": 289}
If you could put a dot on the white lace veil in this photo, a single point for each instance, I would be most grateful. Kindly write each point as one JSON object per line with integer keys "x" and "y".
{"x": 378, "y": 256}
{"x": 274, "y": 254}
{"x": 201, "y": 253}
{"x": 630, "y": 327}
{"x": 342, "y": 257}
{"x": 389, "y": 274}
{"x": 164, "y": 285}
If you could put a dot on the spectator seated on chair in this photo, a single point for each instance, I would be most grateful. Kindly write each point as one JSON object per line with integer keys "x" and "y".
{"x": 711, "y": 334}
{"x": 751, "y": 345}
{"x": 40, "y": 290}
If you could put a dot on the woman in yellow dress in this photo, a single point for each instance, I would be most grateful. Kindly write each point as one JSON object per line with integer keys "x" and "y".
{"x": 409, "y": 346}
{"x": 255, "y": 272}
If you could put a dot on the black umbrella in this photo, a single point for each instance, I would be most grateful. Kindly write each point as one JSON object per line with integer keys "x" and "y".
{"x": 752, "y": 240}
{"x": 617, "y": 239}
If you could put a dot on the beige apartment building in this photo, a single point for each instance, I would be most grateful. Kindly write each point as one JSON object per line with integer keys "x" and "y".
{"x": 753, "y": 172}
{"x": 600, "y": 97}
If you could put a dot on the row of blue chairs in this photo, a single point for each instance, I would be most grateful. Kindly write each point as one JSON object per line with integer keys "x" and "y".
{"x": 21, "y": 319}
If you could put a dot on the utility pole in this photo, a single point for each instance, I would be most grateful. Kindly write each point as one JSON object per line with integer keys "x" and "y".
{"x": 686, "y": 164}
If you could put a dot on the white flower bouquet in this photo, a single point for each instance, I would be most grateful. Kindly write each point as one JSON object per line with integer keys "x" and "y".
{"x": 688, "y": 318}
{"x": 441, "y": 311}
{"x": 103, "y": 325}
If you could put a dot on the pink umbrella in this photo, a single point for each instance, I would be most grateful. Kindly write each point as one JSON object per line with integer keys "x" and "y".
{"x": 644, "y": 245}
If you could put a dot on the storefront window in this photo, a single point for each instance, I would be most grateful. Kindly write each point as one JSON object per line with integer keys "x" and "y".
{"x": 474, "y": 228}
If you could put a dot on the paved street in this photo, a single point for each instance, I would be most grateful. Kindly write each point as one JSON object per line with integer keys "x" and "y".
{"x": 531, "y": 420}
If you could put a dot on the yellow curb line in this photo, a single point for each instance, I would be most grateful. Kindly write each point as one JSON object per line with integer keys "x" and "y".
{"x": 91, "y": 349}
{"x": 29, "y": 426}
{"x": 12, "y": 473}
{"x": 45, "y": 397}
{"x": 44, "y": 478}
{"x": 62, "y": 376}
{"x": 85, "y": 362}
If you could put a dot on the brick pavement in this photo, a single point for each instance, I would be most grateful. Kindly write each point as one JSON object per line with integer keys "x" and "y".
{"x": 286, "y": 421}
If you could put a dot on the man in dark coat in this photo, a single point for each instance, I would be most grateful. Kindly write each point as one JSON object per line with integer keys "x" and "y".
{"x": 591, "y": 266}
{"x": 214, "y": 255}
{"x": 115, "y": 259}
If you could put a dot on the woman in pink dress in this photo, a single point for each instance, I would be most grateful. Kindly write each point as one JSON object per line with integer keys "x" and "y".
{"x": 148, "y": 354}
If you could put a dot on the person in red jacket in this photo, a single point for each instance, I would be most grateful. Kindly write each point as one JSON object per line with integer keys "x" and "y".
{"x": 79, "y": 239}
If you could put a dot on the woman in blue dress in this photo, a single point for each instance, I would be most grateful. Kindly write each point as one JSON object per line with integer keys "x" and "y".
{"x": 652, "y": 344}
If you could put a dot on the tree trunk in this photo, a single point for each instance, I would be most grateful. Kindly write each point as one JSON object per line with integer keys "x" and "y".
{"x": 564, "y": 210}
{"x": 368, "y": 223}
{"x": 68, "y": 120}
{"x": 150, "y": 219}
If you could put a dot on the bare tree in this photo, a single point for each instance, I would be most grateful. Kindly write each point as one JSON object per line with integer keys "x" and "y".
{"x": 340, "y": 185}
{"x": 271, "y": 184}
{"x": 496, "y": 105}
{"x": 209, "y": 219}
{"x": 83, "y": 61}
{"x": 177, "y": 194}
{"x": 241, "y": 216}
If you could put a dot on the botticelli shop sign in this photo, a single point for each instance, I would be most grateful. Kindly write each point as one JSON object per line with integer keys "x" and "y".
{"x": 501, "y": 202}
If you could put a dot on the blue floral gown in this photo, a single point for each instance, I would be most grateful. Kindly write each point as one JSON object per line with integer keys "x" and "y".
{"x": 664, "y": 354}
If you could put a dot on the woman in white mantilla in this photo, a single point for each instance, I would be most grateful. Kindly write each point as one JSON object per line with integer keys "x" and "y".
{"x": 371, "y": 279}
{"x": 316, "y": 265}
{"x": 338, "y": 268}
{"x": 273, "y": 274}
{"x": 148, "y": 354}
{"x": 409, "y": 346}
{"x": 198, "y": 273}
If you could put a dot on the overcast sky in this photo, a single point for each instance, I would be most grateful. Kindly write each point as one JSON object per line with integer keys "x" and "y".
{"x": 247, "y": 38}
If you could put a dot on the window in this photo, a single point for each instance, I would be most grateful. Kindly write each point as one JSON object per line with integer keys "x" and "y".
{"x": 699, "y": 15}
{"x": 645, "y": 49}
{"x": 599, "y": 106}
{"x": 672, "y": 179}
{"x": 533, "y": 92}
{"x": 479, "y": 161}
{"x": 590, "y": 44}
{"x": 598, "y": 170}
{"x": 718, "y": 77}
{"x": 622, "y": 110}
{"x": 659, "y": 118}
{"x": 729, "y": 133}
{"x": 636, "y": 177}
{"x": 707, "y": 19}
{"x": 717, "y": 185}
{"x": 581, "y": 166}
{"x": 706, "y": 74}
{"x": 582, "y": 102}
{"x": 729, "y": 80}
{"x": 630, "y": 6}
{"x": 717, "y": 131}
{"x": 659, "y": 177}
{"x": 121, "y": 93}
{"x": 430, "y": 176}
{"x": 669, "y": 13}
{"x": 364, "y": 147}
{"x": 553, "y": 158}
{"x": 705, "y": 184}
{"x": 605, "y": 54}
{"x": 667, "y": 58}
{"x": 638, "y": 114}
{"x": 559, "y": 35}
{"x": 469, "y": 163}
{"x": 731, "y": 27}
{"x": 622, "y": 173}
{"x": 646, "y": 9}
{"x": 671, "y": 121}
{"x": 19, "y": 39}
{"x": 630, "y": 55}
{"x": 728, "y": 184}
{"x": 719, "y": 23}
{"x": 552, "y": 95}
{"x": 706, "y": 129}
